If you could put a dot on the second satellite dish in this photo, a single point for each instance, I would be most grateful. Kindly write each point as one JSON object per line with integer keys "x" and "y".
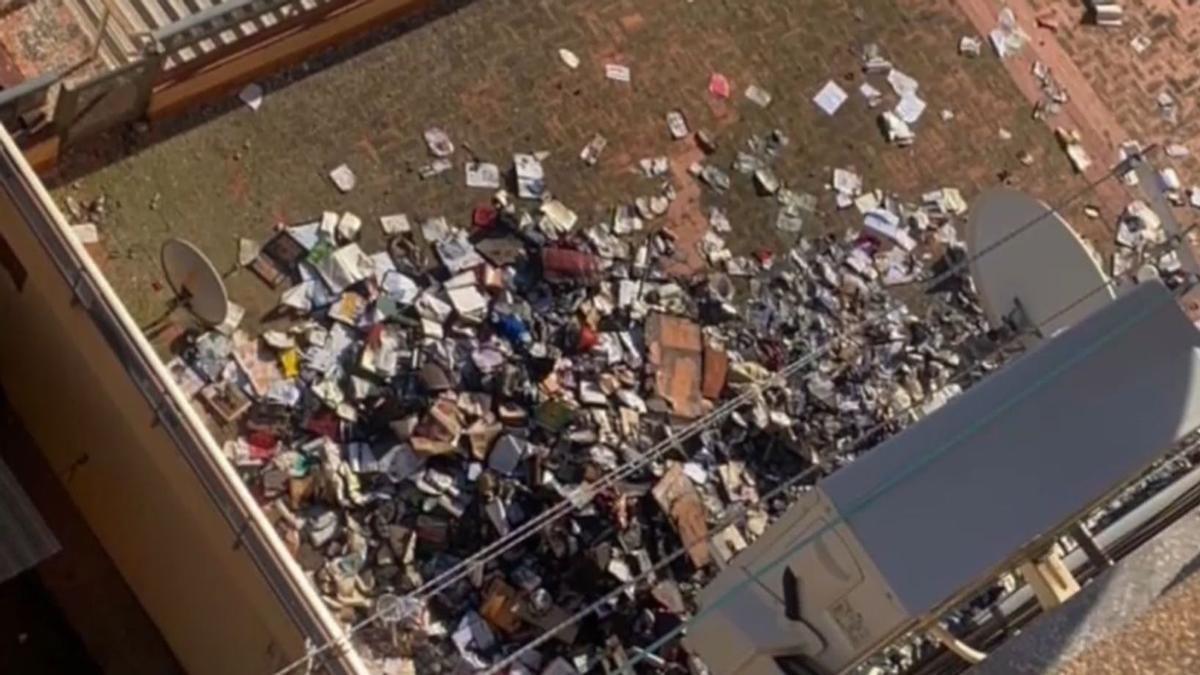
{"x": 196, "y": 282}
{"x": 1029, "y": 266}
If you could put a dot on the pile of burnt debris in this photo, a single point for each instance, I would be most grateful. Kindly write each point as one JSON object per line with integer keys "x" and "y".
{"x": 520, "y": 440}
{"x": 427, "y": 402}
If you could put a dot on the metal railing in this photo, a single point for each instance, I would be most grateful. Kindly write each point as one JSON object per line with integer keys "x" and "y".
{"x": 162, "y": 61}
{"x": 27, "y": 97}
{"x": 209, "y": 23}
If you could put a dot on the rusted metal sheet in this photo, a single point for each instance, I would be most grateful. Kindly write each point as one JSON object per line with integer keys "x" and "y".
{"x": 716, "y": 369}
{"x": 676, "y": 349}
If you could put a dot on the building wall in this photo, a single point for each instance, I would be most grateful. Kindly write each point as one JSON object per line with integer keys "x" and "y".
{"x": 220, "y": 612}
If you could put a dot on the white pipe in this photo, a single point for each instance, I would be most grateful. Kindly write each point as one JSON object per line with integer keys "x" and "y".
{"x": 965, "y": 651}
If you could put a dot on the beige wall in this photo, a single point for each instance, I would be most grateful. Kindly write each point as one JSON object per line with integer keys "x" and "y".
{"x": 144, "y": 501}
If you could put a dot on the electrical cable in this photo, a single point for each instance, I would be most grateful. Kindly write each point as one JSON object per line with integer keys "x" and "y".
{"x": 586, "y": 493}
{"x": 742, "y": 510}
{"x": 891, "y": 482}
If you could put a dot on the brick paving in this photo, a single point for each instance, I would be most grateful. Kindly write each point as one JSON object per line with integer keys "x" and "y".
{"x": 1128, "y": 82}
{"x": 490, "y": 75}
{"x": 42, "y": 36}
{"x": 1084, "y": 112}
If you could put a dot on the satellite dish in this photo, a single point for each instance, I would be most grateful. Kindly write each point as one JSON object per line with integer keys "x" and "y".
{"x": 1038, "y": 275}
{"x": 196, "y": 282}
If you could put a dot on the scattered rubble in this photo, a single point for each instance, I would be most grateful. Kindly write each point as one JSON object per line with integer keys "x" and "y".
{"x": 896, "y": 130}
{"x": 873, "y": 96}
{"x": 970, "y": 46}
{"x": 591, "y": 152}
{"x": 873, "y": 60}
{"x": 422, "y": 401}
{"x": 483, "y": 175}
{"x": 413, "y": 414}
{"x": 343, "y": 178}
{"x": 86, "y": 233}
{"x": 438, "y": 142}
{"x": 719, "y": 86}
{"x": 1054, "y": 97}
{"x": 1105, "y": 13}
{"x": 759, "y": 96}
{"x": 1140, "y": 241}
{"x": 1070, "y": 142}
{"x": 1168, "y": 107}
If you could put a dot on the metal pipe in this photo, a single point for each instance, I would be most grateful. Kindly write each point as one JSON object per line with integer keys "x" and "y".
{"x": 963, "y": 650}
{"x": 1083, "y": 536}
{"x": 1121, "y": 528}
{"x": 27, "y": 95}
{"x": 1015, "y": 608}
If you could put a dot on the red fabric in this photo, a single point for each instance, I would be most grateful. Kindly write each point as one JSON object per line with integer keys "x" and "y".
{"x": 483, "y": 217}
{"x": 262, "y": 445}
{"x": 587, "y": 339}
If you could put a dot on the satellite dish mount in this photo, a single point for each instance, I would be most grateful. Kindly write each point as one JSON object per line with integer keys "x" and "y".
{"x": 196, "y": 283}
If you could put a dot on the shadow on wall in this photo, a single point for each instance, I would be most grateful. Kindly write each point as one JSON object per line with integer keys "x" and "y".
{"x": 1189, "y": 569}
{"x": 87, "y": 156}
{"x": 73, "y": 612}
{"x": 37, "y": 640}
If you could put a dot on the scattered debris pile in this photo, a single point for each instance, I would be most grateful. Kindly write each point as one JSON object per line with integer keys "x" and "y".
{"x": 419, "y": 403}
{"x": 896, "y": 123}
{"x": 423, "y": 401}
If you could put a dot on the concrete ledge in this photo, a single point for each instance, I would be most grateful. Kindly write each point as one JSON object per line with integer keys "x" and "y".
{"x": 1135, "y": 590}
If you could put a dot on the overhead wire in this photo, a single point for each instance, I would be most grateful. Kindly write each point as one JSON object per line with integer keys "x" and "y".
{"x": 585, "y": 493}
{"x": 885, "y": 486}
{"x": 891, "y": 482}
{"x": 742, "y": 510}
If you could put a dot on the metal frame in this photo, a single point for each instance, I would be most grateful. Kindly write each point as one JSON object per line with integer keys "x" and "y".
{"x": 98, "y": 104}
{"x": 989, "y": 627}
{"x": 169, "y": 86}
{"x": 170, "y": 41}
